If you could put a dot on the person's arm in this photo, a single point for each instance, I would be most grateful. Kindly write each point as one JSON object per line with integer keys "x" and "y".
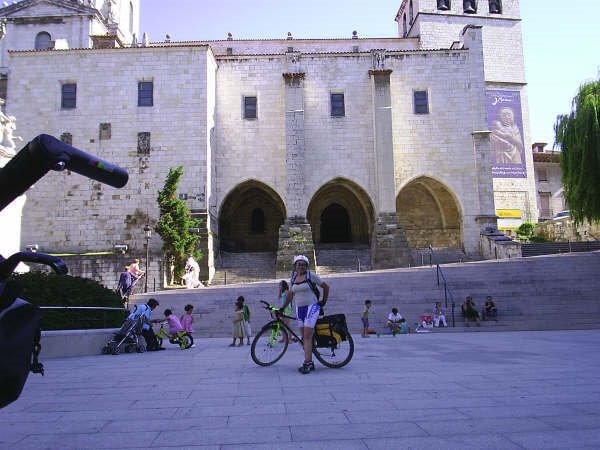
{"x": 289, "y": 295}
{"x": 325, "y": 288}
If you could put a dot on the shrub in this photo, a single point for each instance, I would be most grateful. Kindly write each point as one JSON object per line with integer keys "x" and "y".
{"x": 525, "y": 231}
{"x": 48, "y": 289}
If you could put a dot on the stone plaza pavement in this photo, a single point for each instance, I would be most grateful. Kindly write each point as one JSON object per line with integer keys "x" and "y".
{"x": 503, "y": 390}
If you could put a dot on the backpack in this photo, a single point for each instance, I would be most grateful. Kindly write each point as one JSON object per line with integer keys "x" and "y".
{"x": 19, "y": 344}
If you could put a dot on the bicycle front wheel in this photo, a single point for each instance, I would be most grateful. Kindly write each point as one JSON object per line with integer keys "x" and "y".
{"x": 335, "y": 356}
{"x": 270, "y": 344}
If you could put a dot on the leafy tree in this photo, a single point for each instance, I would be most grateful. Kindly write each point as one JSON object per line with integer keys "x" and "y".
{"x": 525, "y": 231}
{"x": 174, "y": 224}
{"x": 578, "y": 136}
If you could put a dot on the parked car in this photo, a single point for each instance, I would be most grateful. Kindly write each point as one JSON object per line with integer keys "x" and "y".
{"x": 562, "y": 215}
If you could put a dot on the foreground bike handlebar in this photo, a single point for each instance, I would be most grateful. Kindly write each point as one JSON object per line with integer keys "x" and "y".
{"x": 45, "y": 153}
{"x": 7, "y": 266}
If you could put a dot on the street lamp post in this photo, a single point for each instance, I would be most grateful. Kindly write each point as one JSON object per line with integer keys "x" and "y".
{"x": 148, "y": 232}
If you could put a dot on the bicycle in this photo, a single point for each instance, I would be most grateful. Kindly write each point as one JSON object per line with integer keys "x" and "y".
{"x": 183, "y": 338}
{"x": 333, "y": 345}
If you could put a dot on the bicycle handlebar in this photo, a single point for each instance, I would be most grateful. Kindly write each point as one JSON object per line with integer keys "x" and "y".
{"x": 7, "y": 266}
{"x": 44, "y": 153}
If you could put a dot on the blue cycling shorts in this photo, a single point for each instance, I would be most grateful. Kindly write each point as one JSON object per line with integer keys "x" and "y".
{"x": 307, "y": 315}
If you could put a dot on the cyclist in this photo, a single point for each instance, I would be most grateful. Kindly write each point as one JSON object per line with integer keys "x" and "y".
{"x": 302, "y": 291}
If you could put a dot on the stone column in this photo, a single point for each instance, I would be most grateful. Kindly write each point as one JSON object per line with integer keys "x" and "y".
{"x": 295, "y": 235}
{"x": 389, "y": 247}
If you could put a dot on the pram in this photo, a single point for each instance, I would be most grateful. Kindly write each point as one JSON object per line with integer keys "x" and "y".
{"x": 127, "y": 338}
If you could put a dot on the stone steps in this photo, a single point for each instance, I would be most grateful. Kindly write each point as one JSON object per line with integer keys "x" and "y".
{"x": 545, "y": 292}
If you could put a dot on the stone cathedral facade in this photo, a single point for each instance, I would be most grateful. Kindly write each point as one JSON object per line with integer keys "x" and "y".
{"x": 385, "y": 144}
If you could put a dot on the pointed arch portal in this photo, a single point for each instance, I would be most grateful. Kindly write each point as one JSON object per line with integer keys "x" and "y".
{"x": 341, "y": 213}
{"x": 429, "y": 214}
{"x": 250, "y": 218}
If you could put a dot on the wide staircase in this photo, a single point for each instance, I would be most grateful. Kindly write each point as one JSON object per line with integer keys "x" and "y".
{"x": 235, "y": 268}
{"x": 439, "y": 255}
{"x": 538, "y": 293}
{"x": 342, "y": 260}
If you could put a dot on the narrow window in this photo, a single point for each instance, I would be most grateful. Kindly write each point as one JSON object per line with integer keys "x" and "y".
{"x": 67, "y": 138}
{"x": 104, "y": 131}
{"x": 405, "y": 29}
{"x": 470, "y": 6}
{"x": 145, "y": 93}
{"x": 542, "y": 174}
{"x": 43, "y": 41}
{"x": 143, "y": 146}
{"x": 337, "y": 105}
{"x": 443, "y": 5}
{"x": 495, "y": 7}
{"x": 229, "y": 51}
{"x": 421, "y": 102}
{"x": 257, "y": 224}
{"x": 411, "y": 15}
{"x": 250, "y": 110}
{"x": 68, "y": 96}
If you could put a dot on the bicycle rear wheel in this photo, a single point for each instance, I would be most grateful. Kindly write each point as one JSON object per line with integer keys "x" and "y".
{"x": 270, "y": 344}
{"x": 335, "y": 356}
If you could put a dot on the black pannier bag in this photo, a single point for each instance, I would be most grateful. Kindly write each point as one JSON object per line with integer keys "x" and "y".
{"x": 331, "y": 330}
{"x": 19, "y": 347}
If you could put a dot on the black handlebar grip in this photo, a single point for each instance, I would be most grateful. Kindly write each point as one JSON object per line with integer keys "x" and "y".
{"x": 44, "y": 153}
{"x": 85, "y": 164}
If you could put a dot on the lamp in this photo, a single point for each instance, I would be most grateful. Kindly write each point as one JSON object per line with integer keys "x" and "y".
{"x": 121, "y": 248}
{"x": 148, "y": 232}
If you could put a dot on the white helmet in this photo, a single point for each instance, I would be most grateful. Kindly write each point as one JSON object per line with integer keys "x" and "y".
{"x": 300, "y": 258}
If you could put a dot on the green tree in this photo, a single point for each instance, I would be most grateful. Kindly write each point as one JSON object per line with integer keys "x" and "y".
{"x": 175, "y": 223}
{"x": 578, "y": 136}
{"x": 525, "y": 231}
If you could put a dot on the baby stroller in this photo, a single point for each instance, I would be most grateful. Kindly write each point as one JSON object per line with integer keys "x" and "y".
{"x": 127, "y": 338}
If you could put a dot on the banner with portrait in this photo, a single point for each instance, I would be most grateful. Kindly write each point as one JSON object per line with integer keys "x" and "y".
{"x": 505, "y": 121}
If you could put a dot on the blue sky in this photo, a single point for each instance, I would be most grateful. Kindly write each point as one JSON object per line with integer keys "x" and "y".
{"x": 560, "y": 41}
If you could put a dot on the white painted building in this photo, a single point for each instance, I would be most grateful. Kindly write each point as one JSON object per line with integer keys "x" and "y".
{"x": 386, "y": 144}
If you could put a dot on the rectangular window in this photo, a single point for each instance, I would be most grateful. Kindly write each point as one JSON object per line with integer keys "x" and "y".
{"x": 145, "y": 93}
{"x": 421, "y": 102}
{"x": 68, "y": 96}
{"x": 337, "y": 105}
{"x": 250, "y": 110}
{"x": 143, "y": 147}
{"x": 104, "y": 131}
{"x": 542, "y": 174}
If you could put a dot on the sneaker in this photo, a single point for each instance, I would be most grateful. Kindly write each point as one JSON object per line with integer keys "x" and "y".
{"x": 306, "y": 368}
{"x": 193, "y": 345}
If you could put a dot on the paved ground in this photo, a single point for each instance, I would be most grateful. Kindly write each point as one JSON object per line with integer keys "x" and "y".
{"x": 506, "y": 390}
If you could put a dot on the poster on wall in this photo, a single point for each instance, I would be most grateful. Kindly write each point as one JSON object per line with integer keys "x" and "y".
{"x": 505, "y": 122}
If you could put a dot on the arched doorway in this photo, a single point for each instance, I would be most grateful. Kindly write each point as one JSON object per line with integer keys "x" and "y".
{"x": 335, "y": 224}
{"x": 429, "y": 214}
{"x": 341, "y": 214}
{"x": 250, "y": 217}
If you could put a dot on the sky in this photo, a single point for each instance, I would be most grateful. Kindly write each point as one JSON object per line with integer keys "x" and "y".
{"x": 560, "y": 42}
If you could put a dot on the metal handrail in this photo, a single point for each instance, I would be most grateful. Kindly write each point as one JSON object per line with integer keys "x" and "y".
{"x": 447, "y": 292}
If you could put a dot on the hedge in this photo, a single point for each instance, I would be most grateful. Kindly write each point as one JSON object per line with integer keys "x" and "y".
{"x": 49, "y": 289}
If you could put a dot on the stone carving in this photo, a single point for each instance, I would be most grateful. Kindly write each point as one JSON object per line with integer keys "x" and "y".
{"x": 378, "y": 59}
{"x": 145, "y": 40}
{"x": 134, "y": 40}
{"x": 8, "y": 124}
{"x": 2, "y": 27}
{"x": 110, "y": 11}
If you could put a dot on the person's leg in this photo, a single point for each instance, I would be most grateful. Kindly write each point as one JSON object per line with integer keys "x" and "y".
{"x": 436, "y": 321}
{"x": 150, "y": 338}
{"x": 444, "y": 321}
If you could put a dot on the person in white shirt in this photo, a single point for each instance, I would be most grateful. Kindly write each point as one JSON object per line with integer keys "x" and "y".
{"x": 393, "y": 321}
{"x": 439, "y": 314}
{"x": 192, "y": 273}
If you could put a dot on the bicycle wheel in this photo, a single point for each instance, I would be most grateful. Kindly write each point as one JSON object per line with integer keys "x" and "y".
{"x": 269, "y": 344}
{"x": 186, "y": 341}
{"x": 335, "y": 356}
